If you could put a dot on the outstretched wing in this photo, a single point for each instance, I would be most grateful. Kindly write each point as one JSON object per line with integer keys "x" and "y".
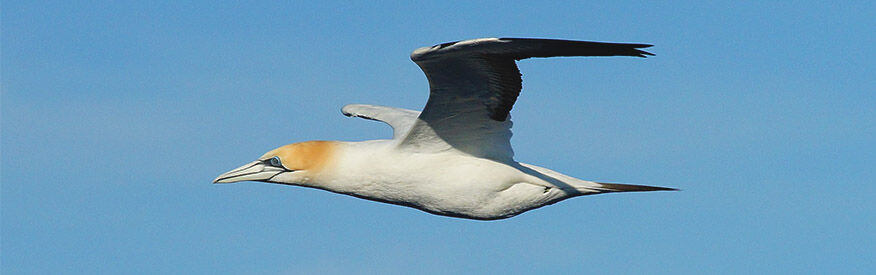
{"x": 474, "y": 84}
{"x": 399, "y": 119}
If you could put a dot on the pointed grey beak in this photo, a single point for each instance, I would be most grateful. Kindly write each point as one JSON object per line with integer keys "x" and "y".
{"x": 254, "y": 171}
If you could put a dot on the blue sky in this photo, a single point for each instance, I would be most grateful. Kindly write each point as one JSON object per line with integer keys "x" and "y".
{"x": 116, "y": 116}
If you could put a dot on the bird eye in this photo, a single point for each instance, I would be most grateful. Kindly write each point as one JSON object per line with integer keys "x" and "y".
{"x": 275, "y": 161}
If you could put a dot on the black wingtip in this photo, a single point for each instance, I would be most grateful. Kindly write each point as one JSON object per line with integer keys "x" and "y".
{"x": 639, "y": 52}
{"x": 643, "y": 54}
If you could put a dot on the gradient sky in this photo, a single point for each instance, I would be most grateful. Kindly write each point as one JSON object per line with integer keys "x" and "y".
{"x": 116, "y": 117}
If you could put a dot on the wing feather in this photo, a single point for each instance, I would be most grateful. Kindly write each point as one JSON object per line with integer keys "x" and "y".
{"x": 473, "y": 85}
{"x": 399, "y": 119}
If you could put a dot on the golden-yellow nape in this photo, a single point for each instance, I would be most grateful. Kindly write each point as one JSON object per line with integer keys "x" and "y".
{"x": 311, "y": 156}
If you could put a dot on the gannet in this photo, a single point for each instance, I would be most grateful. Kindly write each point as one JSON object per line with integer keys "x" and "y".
{"x": 454, "y": 158}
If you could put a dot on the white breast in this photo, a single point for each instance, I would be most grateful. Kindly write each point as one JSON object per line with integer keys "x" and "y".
{"x": 448, "y": 183}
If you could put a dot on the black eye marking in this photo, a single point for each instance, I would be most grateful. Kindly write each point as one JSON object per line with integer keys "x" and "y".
{"x": 275, "y": 162}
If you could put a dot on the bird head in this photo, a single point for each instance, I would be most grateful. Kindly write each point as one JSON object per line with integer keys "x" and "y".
{"x": 295, "y": 164}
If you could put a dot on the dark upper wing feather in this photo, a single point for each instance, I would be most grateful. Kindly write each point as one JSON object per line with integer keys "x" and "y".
{"x": 555, "y": 47}
{"x": 474, "y": 84}
{"x": 494, "y": 59}
{"x": 505, "y": 84}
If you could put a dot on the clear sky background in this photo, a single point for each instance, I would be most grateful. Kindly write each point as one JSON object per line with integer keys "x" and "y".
{"x": 116, "y": 117}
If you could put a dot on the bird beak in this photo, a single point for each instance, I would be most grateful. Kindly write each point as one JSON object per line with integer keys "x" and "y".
{"x": 254, "y": 171}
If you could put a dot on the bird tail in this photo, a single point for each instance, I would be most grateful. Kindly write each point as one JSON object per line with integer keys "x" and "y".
{"x": 603, "y": 187}
{"x": 586, "y": 187}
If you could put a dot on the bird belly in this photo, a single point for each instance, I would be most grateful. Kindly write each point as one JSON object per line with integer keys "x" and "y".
{"x": 446, "y": 184}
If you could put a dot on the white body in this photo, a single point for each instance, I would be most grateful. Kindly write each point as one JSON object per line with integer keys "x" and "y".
{"x": 446, "y": 183}
{"x": 454, "y": 158}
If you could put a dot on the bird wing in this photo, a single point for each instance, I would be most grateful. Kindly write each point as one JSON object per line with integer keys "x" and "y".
{"x": 399, "y": 119}
{"x": 474, "y": 83}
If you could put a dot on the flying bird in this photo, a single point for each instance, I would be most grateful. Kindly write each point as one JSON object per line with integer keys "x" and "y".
{"x": 454, "y": 157}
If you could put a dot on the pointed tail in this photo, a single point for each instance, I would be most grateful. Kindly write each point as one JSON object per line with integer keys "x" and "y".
{"x": 616, "y": 187}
